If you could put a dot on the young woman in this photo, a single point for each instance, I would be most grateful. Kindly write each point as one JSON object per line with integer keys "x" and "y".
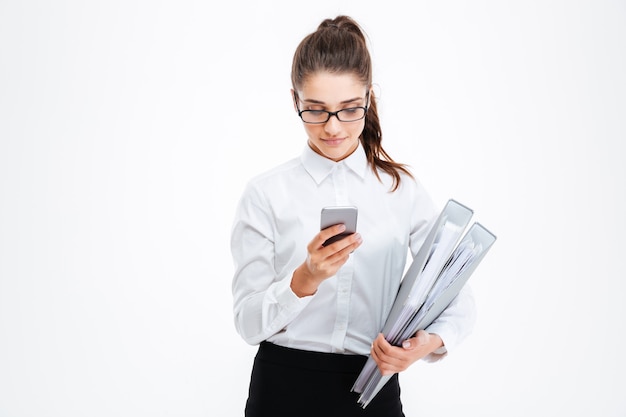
{"x": 316, "y": 311}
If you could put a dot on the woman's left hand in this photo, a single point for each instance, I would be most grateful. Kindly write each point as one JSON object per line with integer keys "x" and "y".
{"x": 393, "y": 359}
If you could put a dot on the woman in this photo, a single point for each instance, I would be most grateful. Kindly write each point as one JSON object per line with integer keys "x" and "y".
{"x": 316, "y": 311}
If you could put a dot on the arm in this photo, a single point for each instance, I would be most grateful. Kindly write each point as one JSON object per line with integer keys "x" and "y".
{"x": 264, "y": 301}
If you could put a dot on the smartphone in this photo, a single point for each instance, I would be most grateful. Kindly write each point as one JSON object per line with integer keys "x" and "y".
{"x": 339, "y": 214}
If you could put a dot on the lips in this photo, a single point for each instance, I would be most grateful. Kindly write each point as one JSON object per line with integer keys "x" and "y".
{"x": 333, "y": 141}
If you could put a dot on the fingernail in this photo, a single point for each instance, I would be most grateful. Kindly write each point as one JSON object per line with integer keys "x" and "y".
{"x": 406, "y": 344}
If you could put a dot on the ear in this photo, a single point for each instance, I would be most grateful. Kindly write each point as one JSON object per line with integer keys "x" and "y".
{"x": 294, "y": 99}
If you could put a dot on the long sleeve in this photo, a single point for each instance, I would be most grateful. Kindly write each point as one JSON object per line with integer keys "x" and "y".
{"x": 263, "y": 300}
{"x": 454, "y": 324}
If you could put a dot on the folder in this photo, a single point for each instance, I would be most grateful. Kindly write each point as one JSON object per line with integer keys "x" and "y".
{"x": 438, "y": 272}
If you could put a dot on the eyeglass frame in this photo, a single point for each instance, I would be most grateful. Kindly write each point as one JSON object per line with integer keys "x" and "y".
{"x": 332, "y": 113}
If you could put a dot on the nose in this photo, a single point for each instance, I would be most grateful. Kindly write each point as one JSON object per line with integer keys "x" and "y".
{"x": 333, "y": 125}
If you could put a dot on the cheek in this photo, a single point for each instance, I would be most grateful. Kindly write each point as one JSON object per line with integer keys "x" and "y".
{"x": 312, "y": 131}
{"x": 357, "y": 130}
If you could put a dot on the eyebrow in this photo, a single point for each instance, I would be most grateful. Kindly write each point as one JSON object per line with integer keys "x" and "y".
{"x": 313, "y": 101}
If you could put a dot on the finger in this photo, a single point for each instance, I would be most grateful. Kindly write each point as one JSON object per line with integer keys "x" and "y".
{"x": 347, "y": 245}
{"x": 382, "y": 344}
{"x": 331, "y": 231}
{"x": 325, "y": 259}
{"x": 338, "y": 253}
{"x": 383, "y": 365}
{"x": 383, "y": 349}
{"x": 323, "y": 236}
{"x": 419, "y": 340}
{"x": 387, "y": 364}
{"x": 394, "y": 355}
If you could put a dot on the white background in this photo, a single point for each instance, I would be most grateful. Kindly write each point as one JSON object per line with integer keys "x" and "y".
{"x": 128, "y": 129}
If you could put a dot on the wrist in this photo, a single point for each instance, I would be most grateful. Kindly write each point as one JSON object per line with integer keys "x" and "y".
{"x": 436, "y": 342}
{"x": 302, "y": 283}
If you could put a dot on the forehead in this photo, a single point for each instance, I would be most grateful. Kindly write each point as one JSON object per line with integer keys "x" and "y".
{"x": 331, "y": 87}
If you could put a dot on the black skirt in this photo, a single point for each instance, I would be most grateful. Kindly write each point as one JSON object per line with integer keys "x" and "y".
{"x": 289, "y": 382}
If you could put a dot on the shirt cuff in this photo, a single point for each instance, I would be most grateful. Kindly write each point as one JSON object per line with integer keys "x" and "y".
{"x": 287, "y": 298}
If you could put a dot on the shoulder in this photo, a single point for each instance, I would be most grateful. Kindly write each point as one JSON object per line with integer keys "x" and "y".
{"x": 267, "y": 180}
{"x": 413, "y": 189}
{"x": 408, "y": 185}
{"x": 276, "y": 173}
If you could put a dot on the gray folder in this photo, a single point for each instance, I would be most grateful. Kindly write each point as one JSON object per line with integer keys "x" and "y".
{"x": 438, "y": 272}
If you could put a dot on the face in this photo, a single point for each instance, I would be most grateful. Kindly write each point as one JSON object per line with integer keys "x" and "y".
{"x": 334, "y": 139}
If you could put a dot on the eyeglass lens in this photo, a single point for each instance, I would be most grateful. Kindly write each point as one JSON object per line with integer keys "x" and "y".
{"x": 321, "y": 116}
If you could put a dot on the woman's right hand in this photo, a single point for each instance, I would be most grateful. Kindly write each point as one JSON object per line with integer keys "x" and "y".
{"x": 323, "y": 262}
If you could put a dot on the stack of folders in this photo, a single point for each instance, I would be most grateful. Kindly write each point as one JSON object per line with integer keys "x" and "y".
{"x": 438, "y": 272}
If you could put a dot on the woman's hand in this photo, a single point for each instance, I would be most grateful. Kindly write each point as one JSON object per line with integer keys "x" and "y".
{"x": 393, "y": 359}
{"x": 323, "y": 262}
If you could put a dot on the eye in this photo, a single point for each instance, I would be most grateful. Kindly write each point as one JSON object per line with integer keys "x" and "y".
{"x": 352, "y": 110}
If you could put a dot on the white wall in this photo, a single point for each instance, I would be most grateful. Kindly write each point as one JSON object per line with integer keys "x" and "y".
{"x": 127, "y": 131}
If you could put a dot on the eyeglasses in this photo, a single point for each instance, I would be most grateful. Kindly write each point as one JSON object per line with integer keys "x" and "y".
{"x": 351, "y": 114}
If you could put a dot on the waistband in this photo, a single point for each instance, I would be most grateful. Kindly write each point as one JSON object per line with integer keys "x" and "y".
{"x": 305, "y": 359}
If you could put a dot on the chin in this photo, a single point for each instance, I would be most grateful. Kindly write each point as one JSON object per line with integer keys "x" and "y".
{"x": 336, "y": 156}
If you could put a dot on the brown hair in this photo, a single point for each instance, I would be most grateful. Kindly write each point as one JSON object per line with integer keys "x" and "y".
{"x": 339, "y": 46}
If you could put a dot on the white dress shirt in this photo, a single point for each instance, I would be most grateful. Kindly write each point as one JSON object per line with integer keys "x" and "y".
{"x": 279, "y": 214}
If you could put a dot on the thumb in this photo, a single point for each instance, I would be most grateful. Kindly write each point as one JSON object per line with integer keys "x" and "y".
{"x": 421, "y": 338}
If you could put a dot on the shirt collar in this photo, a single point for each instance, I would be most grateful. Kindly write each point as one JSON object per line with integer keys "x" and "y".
{"x": 319, "y": 167}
